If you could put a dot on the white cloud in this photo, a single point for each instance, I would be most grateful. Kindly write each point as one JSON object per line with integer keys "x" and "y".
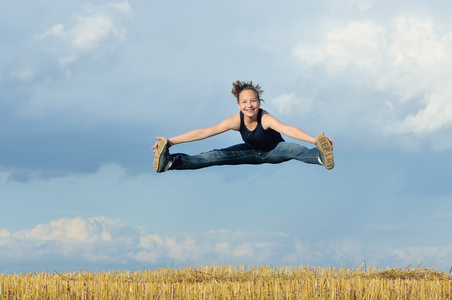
{"x": 408, "y": 59}
{"x": 92, "y": 30}
{"x": 72, "y": 54}
{"x": 65, "y": 60}
{"x": 96, "y": 25}
{"x": 75, "y": 230}
{"x": 422, "y": 254}
{"x": 290, "y": 104}
{"x": 101, "y": 240}
{"x": 207, "y": 248}
{"x": 223, "y": 248}
{"x": 4, "y": 233}
{"x": 358, "y": 44}
{"x": 25, "y": 74}
{"x": 345, "y": 250}
{"x": 123, "y": 7}
{"x": 300, "y": 254}
{"x": 56, "y": 30}
{"x": 90, "y": 239}
{"x": 243, "y": 249}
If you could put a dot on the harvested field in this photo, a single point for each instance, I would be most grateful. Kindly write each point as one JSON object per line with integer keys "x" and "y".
{"x": 231, "y": 282}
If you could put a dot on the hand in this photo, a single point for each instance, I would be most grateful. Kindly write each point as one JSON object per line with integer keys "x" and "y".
{"x": 158, "y": 140}
{"x": 329, "y": 139}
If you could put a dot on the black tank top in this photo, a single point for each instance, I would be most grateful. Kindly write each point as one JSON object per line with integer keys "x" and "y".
{"x": 259, "y": 139}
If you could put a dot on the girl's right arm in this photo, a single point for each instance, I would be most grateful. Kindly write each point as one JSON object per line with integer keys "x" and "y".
{"x": 203, "y": 133}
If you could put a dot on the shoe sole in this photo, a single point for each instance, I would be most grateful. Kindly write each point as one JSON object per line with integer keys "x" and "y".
{"x": 161, "y": 147}
{"x": 324, "y": 146}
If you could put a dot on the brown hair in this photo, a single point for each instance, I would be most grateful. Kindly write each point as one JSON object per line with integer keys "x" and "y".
{"x": 239, "y": 86}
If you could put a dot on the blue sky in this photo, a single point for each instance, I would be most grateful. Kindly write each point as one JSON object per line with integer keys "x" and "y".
{"x": 86, "y": 86}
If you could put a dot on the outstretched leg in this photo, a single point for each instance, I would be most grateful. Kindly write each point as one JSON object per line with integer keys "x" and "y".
{"x": 234, "y": 155}
{"x": 287, "y": 151}
{"x": 321, "y": 155}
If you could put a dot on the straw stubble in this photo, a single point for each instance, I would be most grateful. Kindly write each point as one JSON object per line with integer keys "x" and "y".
{"x": 232, "y": 282}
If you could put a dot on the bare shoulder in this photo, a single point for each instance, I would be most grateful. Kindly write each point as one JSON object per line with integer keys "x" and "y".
{"x": 233, "y": 122}
{"x": 267, "y": 117}
{"x": 269, "y": 121}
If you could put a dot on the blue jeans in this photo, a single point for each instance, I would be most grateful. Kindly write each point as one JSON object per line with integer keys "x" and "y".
{"x": 242, "y": 154}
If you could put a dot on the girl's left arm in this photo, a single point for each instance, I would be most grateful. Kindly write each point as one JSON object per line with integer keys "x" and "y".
{"x": 268, "y": 121}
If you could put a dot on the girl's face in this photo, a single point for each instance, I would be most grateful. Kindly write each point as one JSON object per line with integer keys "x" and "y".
{"x": 249, "y": 103}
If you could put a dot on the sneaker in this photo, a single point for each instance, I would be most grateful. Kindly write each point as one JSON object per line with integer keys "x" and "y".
{"x": 325, "y": 151}
{"x": 161, "y": 156}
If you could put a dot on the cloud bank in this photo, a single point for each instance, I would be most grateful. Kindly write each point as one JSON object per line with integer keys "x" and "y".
{"x": 407, "y": 60}
{"x": 102, "y": 241}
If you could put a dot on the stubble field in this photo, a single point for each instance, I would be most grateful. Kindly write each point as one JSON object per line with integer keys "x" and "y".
{"x": 231, "y": 282}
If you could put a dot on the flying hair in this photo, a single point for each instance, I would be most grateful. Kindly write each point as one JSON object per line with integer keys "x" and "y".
{"x": 239, "y": 86}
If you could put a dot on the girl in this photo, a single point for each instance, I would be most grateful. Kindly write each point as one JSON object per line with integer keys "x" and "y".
{"x": 260, "y": 131}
